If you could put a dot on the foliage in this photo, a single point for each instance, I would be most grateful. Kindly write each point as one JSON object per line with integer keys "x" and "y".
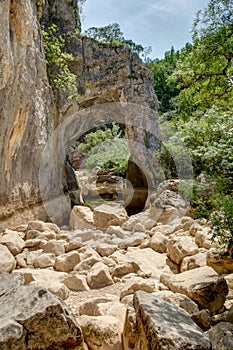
{"x": 207, "y": 70}
{"x": 59, "y": 73}
{"x": 222, "y": 223}
{"x": 113, "y": 36}
{"x": 106, "y": 147}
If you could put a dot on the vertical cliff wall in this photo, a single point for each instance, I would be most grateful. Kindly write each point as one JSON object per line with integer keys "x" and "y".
{"x": 24, "y": 105}
{"x": 27, "y": 114}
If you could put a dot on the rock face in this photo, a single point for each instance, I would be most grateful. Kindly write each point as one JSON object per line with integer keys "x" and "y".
{"x": 165, "y": 326}
{"x": 24, "y": 108}
{"x": 27, "y": 114}
{"x": 32, "y": 318}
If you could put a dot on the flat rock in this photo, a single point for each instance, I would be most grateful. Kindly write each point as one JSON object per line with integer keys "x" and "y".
{"x": 150, "y": 262}
{"x": 202, "y": 285}
{"x": 33, "y": 318}
{"x": 180, "y": 300}
{"x": 165, "y": 326}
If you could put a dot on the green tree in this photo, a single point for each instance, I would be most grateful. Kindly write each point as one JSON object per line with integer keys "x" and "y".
{"x": 112, "y": 35}
{"x": 208, "y": 69}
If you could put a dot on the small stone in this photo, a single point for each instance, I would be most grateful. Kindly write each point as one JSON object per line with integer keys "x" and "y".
{"x": 221, "y": 336}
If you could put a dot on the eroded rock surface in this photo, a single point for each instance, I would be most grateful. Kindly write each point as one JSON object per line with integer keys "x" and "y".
{"x": 33, "y": 318}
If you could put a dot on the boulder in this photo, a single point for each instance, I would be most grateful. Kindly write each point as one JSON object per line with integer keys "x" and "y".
{"x": 76, "y": 282}
{"x": 99, "y": 276}
{"x": 136, "y": 283}
{"x": 164, "y": 326}
{"x": 123, "y": 269}
{"x": 85, "y": 265}
{"x": 43, "y": 226}
{"x": 193, "y": 262}
{"x": 55, "y": 247}
{"x": 66, "y": 262}
{"x": 44, "y": 260}
{"x": 118, "y": 231}
{"x": 180, "y": 247}
{"x": 109, "y": 215}
{"x": 81, "y": 217}
{"x": 7, "y": 261}
{"x": 105, "y": 249}
{"x": 150, "y": 262}
{"x": 219, "y": 261}
{"x": 221, "y": 336}
{"x": 13, "y": 242}
{"x": 202, "y": 285}
{"x": 158, "y": 242}
{"x": 102, "y": 332}
{"x": 135, "y": 240}
{"x": 33, "y": 318}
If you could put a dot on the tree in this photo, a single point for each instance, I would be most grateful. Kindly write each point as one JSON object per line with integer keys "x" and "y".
{"x": 207, "y": 70}
{"x": 112, "y": 35}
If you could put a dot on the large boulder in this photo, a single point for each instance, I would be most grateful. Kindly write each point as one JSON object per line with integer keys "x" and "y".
{"x": 32, "y": 318}
{"x": 109, "y": 215}
{"x": 202, "y": 285}
{"x": 164, "y": 326}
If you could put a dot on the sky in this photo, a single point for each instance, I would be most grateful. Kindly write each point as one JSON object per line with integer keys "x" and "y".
{"x": 160, "y": 24}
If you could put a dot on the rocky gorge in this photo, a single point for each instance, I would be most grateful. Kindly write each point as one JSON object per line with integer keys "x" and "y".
{"x": 139, "y": 282}
{"x": 101, "y": 279}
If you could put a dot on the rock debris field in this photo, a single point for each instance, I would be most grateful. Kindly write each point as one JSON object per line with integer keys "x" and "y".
{"x": 152, "y": 281}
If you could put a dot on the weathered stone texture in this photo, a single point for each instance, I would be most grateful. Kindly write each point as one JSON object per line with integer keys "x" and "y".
{"x": 33, "y": 318}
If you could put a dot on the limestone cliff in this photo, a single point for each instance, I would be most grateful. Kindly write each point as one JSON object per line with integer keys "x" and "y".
{"x": 27, "y": 114}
